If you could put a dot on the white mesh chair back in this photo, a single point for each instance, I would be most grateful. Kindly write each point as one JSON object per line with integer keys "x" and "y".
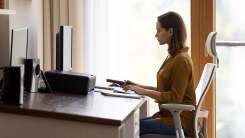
{"x": 203, "y": 87}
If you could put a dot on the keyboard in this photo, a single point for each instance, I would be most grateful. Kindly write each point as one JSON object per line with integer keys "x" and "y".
{"x": 119, "y": 93}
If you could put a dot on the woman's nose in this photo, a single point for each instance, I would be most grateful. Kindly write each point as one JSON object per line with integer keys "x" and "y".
{"x": 156, "y": 35}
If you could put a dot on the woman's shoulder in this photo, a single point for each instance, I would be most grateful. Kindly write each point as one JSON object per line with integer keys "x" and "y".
{"x": 183, "y": 57}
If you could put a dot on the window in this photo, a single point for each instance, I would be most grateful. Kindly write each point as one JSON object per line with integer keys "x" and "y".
{"x": 120, "y": 38}
{"x": 230, "y": 77}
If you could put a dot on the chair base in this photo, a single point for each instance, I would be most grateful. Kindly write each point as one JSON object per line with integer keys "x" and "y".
{"x": 158, "y": 136}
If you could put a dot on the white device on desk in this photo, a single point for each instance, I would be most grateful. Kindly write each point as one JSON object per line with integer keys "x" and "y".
{"x": 117, "y": 92}
{"x": 120, "y": 90}
{"x": 121, "y": 95}
{"x": 115, "y": 89}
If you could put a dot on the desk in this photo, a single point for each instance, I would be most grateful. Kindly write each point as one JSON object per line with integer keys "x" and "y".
{"x": 60, "y": 115}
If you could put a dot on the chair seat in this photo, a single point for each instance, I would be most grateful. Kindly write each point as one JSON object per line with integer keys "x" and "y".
{"x": 158, "y": 136}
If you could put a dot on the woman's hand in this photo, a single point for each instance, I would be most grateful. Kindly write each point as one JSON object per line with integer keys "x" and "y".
{"x": 135, "y": 88}
{"x": 141, "y": 90}
{"x": 128, "y": 82}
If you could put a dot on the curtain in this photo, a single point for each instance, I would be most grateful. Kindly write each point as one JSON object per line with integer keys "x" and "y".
{"x": 107, "y": 39}
{"x": 62, "y": 12}
{"x": 1, "y": 4}
{"x": 55, "y": 13}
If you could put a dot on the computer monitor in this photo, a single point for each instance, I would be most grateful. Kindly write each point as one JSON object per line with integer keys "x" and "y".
{"x": 64, "y": 49}
{"x": 19, "y": 46}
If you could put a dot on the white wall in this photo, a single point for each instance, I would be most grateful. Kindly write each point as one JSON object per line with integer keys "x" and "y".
{"x": 30, "y": 13}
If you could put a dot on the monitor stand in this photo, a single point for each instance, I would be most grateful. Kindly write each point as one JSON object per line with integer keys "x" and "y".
{"x": 47, "y": 86}
{"x": 1, "y": 83}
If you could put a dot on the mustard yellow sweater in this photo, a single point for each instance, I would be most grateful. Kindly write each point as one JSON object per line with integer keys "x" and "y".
{"x": 176, "y": 82}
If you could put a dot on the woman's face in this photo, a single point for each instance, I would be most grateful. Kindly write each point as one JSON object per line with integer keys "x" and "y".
{"x": 163, "y": 35}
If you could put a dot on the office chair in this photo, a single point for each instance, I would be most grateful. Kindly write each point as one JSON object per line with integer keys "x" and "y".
{"x": 201, "y": 90}
{"x": 176, "y": 109}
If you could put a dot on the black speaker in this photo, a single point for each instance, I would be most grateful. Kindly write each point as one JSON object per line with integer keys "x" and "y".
{"x": 70, "y": 82}
{"x": 31, "y": 75}
{"x": 12, "y": 90}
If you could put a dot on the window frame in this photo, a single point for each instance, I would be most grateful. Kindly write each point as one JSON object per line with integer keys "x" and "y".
{"x": 202, "y": 22}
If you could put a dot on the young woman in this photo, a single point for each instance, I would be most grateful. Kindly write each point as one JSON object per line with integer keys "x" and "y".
{"x": 175, "y": 80}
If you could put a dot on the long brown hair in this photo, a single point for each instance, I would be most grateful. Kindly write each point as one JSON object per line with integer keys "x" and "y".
{"x": 174, "y": 20}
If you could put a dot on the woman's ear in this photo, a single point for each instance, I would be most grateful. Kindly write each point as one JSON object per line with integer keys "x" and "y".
{"x": 171, "y": 31}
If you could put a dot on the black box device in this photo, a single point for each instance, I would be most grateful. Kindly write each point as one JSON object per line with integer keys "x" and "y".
{"x": 70, "y": 82}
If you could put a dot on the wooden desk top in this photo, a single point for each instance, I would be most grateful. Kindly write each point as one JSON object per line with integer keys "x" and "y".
{"x": 92, "y": 108}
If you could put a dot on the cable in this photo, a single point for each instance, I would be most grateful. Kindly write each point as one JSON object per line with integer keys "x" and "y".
{"x": 46, "y": 82}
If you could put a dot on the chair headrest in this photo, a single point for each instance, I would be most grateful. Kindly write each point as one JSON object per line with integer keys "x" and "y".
{"x": 210, "y": 46}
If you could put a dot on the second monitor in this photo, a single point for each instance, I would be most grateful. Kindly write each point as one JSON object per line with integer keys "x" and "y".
{"x": 64, "y": 49}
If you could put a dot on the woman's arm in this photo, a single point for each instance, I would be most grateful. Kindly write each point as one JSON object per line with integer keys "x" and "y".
{"x": 128, "y": 82}
{"x": 143, "y": 91}
{"x": 179, "y": 83}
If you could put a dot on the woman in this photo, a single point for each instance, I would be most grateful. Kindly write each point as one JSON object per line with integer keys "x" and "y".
{"x": 175, "y": 80}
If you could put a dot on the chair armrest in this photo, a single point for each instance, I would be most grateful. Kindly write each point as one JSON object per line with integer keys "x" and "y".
{"x": 202, "y": 114}
{"x": 177, "y": 107}
{"x": 175, "y": 110}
